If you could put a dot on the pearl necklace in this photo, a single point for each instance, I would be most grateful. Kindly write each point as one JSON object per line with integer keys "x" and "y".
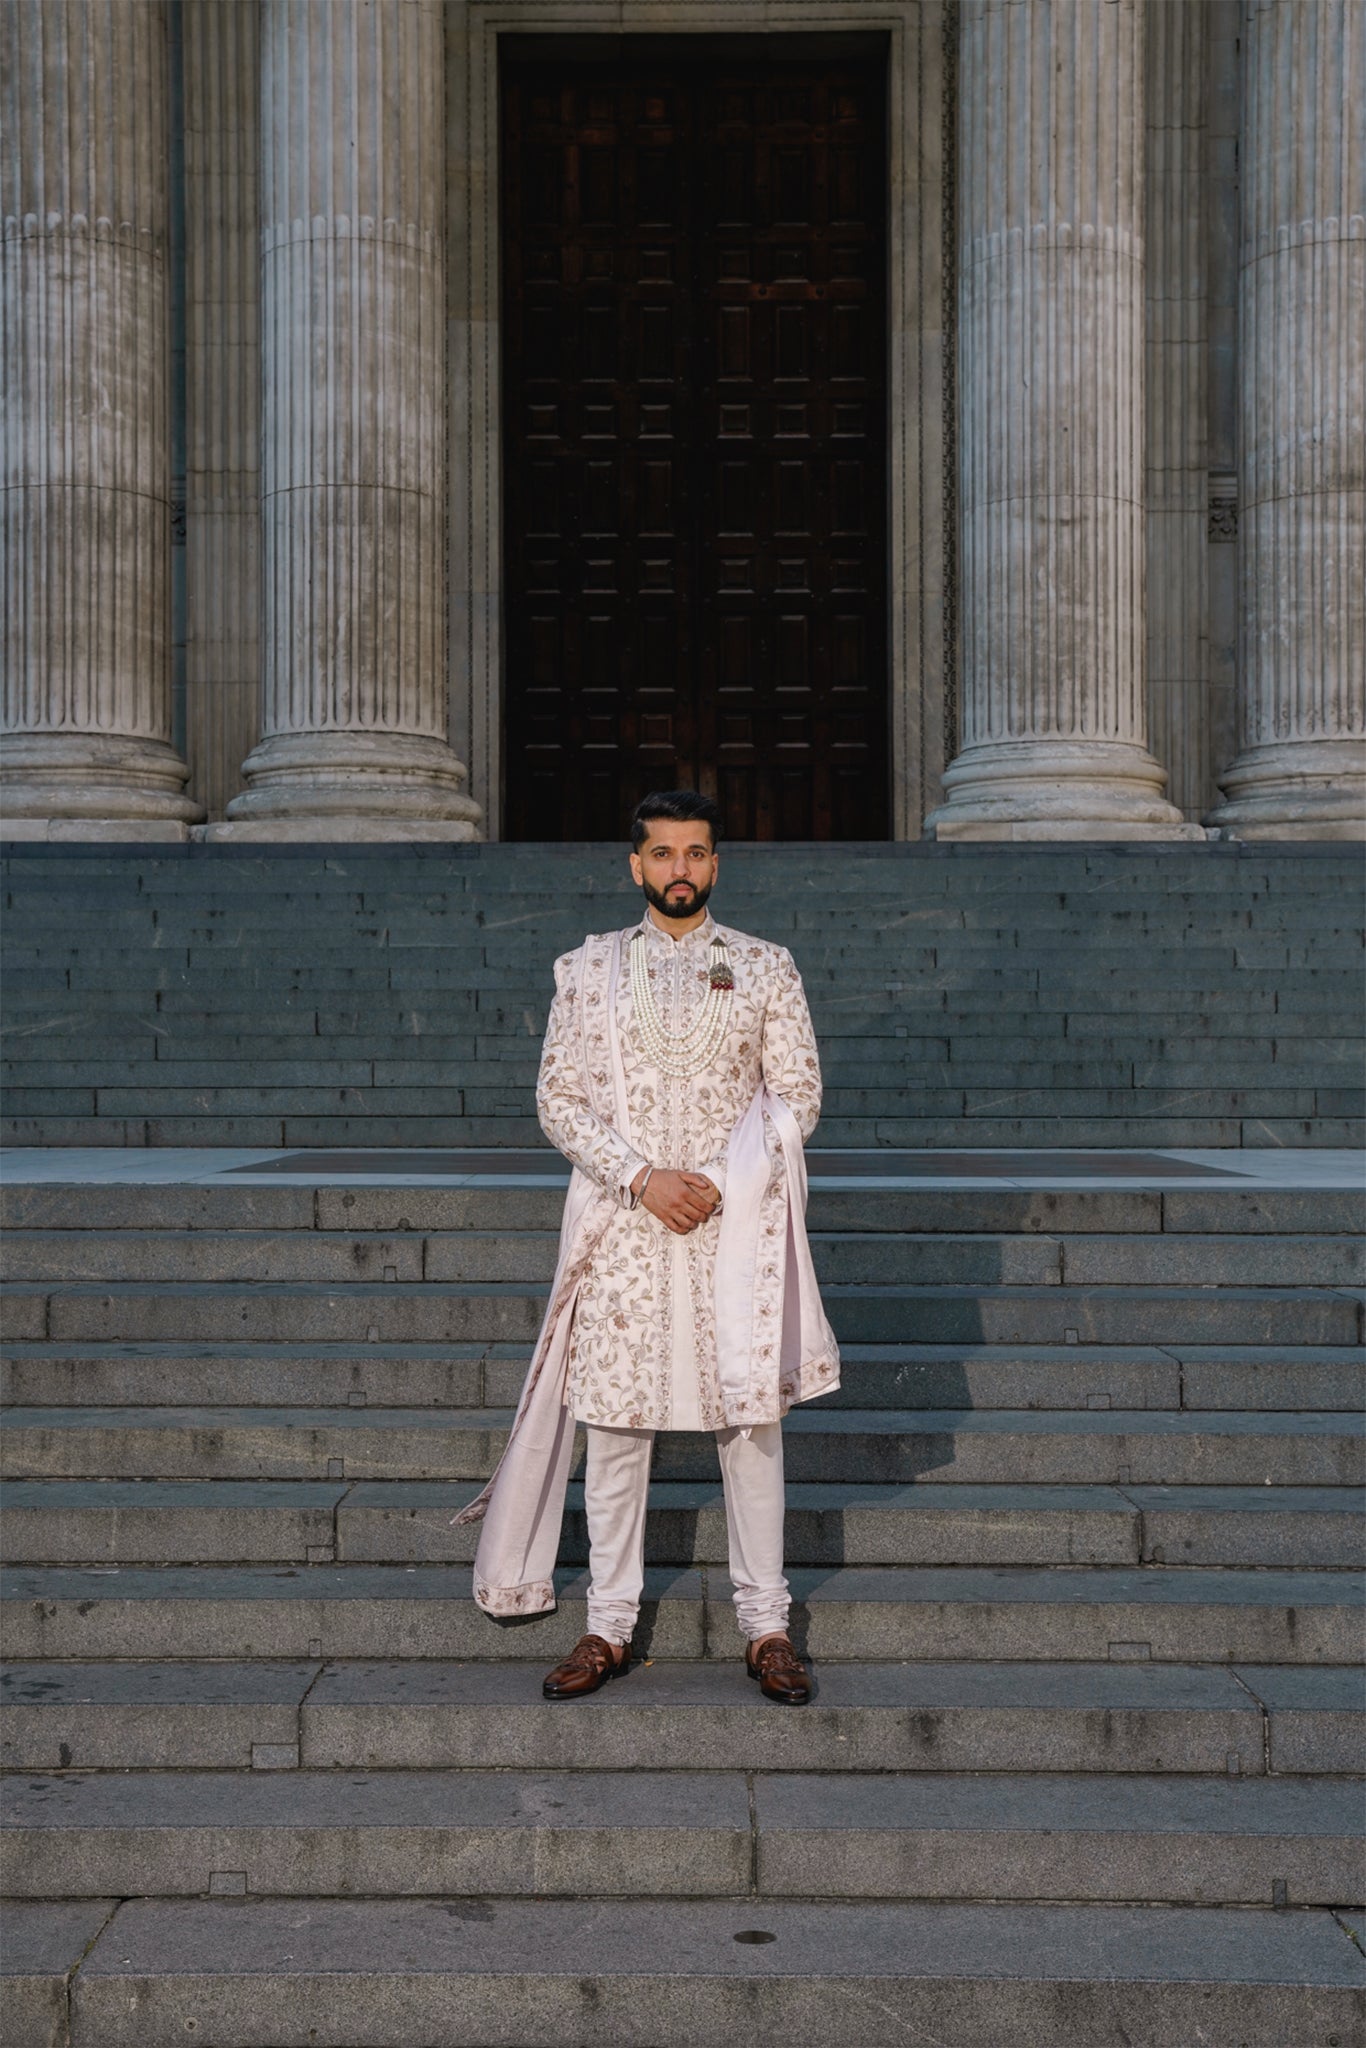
{"x": 682, "y": 1057}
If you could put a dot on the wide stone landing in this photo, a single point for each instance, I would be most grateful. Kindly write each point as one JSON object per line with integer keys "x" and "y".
{"x": 489, "y": 1974}
{"x": 872, "y": 1167}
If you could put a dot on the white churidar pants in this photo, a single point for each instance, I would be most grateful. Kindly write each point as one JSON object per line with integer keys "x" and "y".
{"x": 616, "y": 1483}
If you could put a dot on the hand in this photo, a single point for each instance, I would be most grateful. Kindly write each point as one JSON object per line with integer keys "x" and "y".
{"x": 680, "y": 1200}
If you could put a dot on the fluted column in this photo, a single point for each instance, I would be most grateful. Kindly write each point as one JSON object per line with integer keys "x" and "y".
{"x": 222, "y": 393}
{"x": 84, "y": 361}
{"x": 353, "y": 320}
{"x": 1051, "y": 330}
{"x": 1175, "y": 403}
{"x": 1301, "y": 769}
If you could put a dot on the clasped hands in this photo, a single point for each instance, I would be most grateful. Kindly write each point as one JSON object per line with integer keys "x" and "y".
{"x": 680, "y": 1200}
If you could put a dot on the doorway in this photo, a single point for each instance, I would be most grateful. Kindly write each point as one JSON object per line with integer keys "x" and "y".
{"x": 695, "y": 434}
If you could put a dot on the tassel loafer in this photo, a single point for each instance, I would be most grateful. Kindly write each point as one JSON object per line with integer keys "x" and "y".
{"x": 779, "y": 1670}
{"x": 591, "y": 1662}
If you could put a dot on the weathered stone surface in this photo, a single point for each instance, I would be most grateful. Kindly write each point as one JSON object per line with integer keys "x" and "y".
{"x": 386, "y": 1974}
{"x": 87, "y": 648}
{"x": 1051, "y": 313}
{"x": 353, "y": 490}
{"x": 1301, "y": 766}
{"x": 141, "y": 1716}
{"x": 43, "y": 1945}
{"x": 330, "y": 1834}
{"x": 1181, "y": 1840}
{"x": 926, "y": 1716}
{"x": 1317, "y": 1718}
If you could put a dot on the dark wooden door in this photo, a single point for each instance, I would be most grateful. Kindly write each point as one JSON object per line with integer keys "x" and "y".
{"x": 695, "y": 436}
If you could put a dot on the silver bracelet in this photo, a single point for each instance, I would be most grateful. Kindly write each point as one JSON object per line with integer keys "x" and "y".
{"x": 638, "y": 1194}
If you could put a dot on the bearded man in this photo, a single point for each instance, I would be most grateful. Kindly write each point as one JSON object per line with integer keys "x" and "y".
{"x": 680, "y": 1077}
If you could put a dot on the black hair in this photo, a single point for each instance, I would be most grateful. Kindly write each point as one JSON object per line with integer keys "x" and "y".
{"x": 678, "y": 805}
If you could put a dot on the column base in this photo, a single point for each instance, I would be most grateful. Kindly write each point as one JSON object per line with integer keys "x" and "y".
{"x": 114, "y": 831}
{"x": 335, "y": 828}
{"x": 362, "y": 786}
{"x": 88, "y": 786}
{"x": 1045, "y": 789}
{"x": 1295, "y": 789}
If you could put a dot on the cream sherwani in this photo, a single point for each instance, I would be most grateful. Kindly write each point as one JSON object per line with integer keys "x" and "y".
{"x": 642, "y": 1352}
{"x": 721, "y": 1329}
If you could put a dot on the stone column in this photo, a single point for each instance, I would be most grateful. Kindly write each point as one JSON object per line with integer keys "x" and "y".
{"x": 84, "y": 361}
{"x": 1051, "y": 332}
{"x": 1175, "y": 377}
{"x": 222, "y": 75}
{"x": 353, "y": 316}
{"x": 1301, "y": 771}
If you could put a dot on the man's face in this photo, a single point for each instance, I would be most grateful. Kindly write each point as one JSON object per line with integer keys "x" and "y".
{"x": 676, "y": 866}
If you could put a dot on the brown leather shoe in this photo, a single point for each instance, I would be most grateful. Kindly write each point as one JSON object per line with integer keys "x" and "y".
{"x": 779, "y": 1670}
{"x": 591, "y": 1662}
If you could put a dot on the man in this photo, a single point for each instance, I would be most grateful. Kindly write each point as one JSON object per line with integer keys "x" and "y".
{"x": 680, "y": 1076}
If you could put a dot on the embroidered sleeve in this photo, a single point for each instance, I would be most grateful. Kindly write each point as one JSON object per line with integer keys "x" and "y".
{"x": 563, "y": 1105}
{"x": 792, "y": 1066}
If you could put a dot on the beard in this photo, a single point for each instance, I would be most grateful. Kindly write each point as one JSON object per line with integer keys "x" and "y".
{"x": 674, "y": 901}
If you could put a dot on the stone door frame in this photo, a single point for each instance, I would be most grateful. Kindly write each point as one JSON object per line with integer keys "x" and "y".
{"x": 921, "y": 515}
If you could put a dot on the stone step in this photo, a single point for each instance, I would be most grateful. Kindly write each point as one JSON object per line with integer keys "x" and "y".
{"x": 1138, "y": 1837}
{"x": 916, "y": 1039}
{"x": 172, "y": 1025}
{"x": 1007, "y": 1524}
{"x": 994, "y": 900}
{"x": 268, "y": 1716}
{"x": 1198, "y": 1378}
{"x": 1008, "y": 949}
{"x": 146, "y": 1974}
{"x": 145, "y": 1521}
{"x": 1150, "y": 1447}
{"x": 1116, "y": 1614}
{"x": 505, "y": 1312}
{"x": 1052, "y": 1128}
{"x": 849, "y": 1257}
{"x": 837, "y": 1202}
{"x": 365, "y": 1107}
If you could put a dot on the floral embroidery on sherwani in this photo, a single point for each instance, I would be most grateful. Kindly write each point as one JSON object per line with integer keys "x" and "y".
{"x": 620, "y": 1350}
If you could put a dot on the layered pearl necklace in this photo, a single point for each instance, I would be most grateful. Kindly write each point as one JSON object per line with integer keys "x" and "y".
{"x": 683, "y": 1056}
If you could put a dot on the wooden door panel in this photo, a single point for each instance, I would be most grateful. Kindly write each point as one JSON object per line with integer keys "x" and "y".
{"x": 694, "y": 397}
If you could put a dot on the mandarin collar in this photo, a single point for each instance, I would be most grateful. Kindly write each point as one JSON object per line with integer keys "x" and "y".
{"x": 700, "y": 935}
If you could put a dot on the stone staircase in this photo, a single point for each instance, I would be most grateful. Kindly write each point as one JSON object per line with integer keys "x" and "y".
{"x": 1073, "y": 1551}
{"x": 965, "y": 996}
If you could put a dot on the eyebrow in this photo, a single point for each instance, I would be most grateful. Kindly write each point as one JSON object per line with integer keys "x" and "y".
{"x": 662, "y": 846}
